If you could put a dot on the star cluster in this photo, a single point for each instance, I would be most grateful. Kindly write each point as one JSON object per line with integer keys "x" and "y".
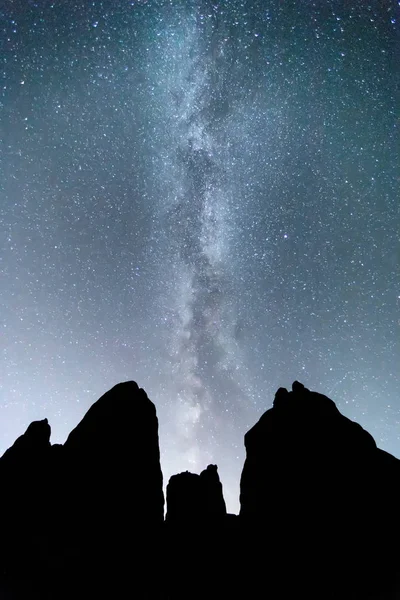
{"x": 201, "y": 196}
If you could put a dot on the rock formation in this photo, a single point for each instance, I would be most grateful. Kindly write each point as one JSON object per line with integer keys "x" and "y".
{"x": 115, "y": 460}
{"x": 213, "y": 497}
{"x": 195, "y": 498}
{"x": 320, "y": 493}
{"x": 25, "y": 508}
{"x": 89, "y": 511}
{"x": 114, "y": 491}
{"x": 318, "y": 519}
{"x": 197, "y": 531}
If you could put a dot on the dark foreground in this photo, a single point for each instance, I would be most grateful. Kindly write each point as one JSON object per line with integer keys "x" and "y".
{"x": 319, "y": 517}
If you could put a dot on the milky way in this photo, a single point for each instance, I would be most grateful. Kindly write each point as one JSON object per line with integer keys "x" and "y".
{"x": 203, "y": 197}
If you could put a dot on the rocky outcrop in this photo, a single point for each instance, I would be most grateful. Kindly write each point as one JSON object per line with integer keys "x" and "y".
{"x": 213, "y": 497}
{"x": 318, "y": 512}
{"x": 114, "y": 494}
{"x": 30, "y": 444}
{"x": 305, "y": 449}
{"x": 114, "y": 458}
{"x": 197, "y": 531}
{"x": 183, "y": 498}
{"x": 25, "y": 510}
{"x": 195, "y": 498}
{"x": 24, "y": 478}
{"x": 314, "y": 482}
{"x": 88, "y": 513}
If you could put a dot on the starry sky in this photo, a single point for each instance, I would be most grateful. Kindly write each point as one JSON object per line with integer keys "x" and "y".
{"x": 203, "y": 197}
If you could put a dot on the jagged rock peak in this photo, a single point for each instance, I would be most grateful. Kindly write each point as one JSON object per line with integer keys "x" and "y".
{"x": 39, "y": 431}
{"x": 302, "y": 438}
{"x": 122, "y": 409}
{"x": 114, "y": 455}
{"x": 36, "y": 437}
{"x": 302, "y": 399}
{"x": 309, "y": 414}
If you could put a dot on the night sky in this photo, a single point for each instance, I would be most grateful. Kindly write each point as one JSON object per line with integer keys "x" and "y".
{"x": 202, "y": 197}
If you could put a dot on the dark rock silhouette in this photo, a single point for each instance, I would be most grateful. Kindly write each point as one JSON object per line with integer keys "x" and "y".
{"x": 33, "y": 442}
{"x": 184, "y": 497}
{"x": 197, "y": 528}
{"x": 74, "y": 510}
{"x": 114, "y": 493}
{"x": 24, "y": 480}
{"x": 25, "y": 507}
{"x": 313, "y": 478}
{"x": 302, "y": 442}
{"x": 114, "y": 455}
{"x": 195, "y": 498}
{"x": 319, "y": 510}
{"x": 214, "y": 503}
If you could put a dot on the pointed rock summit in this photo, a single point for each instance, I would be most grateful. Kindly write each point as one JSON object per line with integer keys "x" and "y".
{"x": 35, "y": 439}
{"x": 115, "y": 459}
